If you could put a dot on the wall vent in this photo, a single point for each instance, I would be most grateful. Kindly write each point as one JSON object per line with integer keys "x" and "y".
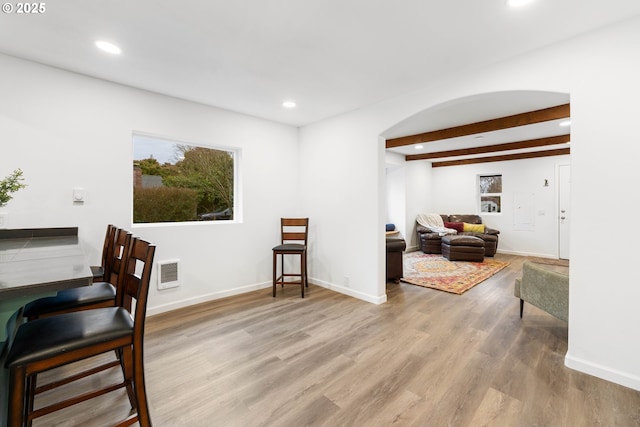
{"x": 168, "y": 276}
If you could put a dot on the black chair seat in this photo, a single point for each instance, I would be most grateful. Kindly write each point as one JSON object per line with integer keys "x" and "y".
{"x": 290, "y": 247}
{"x": 50, "y": 336}
{"x": 11, "y": 327}
{"x": 72, "y": 298}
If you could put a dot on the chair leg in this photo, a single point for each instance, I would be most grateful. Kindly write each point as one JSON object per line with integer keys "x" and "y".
{"x": 275, "y": 266}
{"x": 142, "y": 406}
{"x": 16, "y": 408}
{"x": 280, "y": 279}
{"x": 282, "y": 270}
{"x": 30, "y": 398}
{"x": 126, "y": 360}
{"x": 521, "y": 307}
{"x": 302, "y": 275}
{"x": 306, "y": 274}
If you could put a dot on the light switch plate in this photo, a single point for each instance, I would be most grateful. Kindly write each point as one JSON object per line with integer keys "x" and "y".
{"x": 78, "y": 195}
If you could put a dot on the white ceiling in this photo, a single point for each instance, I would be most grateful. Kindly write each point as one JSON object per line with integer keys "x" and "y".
{"x": 330, "y": 56}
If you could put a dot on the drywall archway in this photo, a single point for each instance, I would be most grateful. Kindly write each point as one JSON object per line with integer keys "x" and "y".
{"x": 475, "y": 108}
{"x": 405, "y": 180}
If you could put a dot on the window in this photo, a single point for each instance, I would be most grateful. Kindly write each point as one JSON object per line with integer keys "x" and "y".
{"x": 177, "y": 182}
{"x": 490, "y": 187}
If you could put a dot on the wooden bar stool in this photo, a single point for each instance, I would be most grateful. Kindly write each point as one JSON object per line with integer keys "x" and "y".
{"x": 99, "y": 294}
{"x": 293, "y": 241}
{"x": 44, "y": 344}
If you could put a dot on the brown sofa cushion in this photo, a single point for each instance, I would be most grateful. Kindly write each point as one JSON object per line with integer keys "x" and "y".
{"x": 462, "y": 240}
{"x": 470, "y": 219}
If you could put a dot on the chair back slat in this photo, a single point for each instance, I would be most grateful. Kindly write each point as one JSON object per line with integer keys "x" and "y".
{"x": 294, "y": 229}
{"x": 294, "y": 236}
{"x": 107, "y": 248}
{"x": 137, "y": 278}
{"x": 295, "y": 222}
{"x": 119, "y": 251}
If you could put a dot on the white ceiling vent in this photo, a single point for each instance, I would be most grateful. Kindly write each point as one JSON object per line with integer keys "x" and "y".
{"x": 168, "y": 276}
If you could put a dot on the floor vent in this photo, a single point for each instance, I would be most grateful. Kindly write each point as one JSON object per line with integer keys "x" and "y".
{"x": 168, "y": 274}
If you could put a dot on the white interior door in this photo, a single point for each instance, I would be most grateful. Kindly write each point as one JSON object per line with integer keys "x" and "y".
{"x": 564, "y": 212}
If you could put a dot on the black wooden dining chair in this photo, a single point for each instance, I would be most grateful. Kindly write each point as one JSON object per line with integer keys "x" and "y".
{"x": 99, "y": 294}
{"x": 293, "y": 241}
{"x": 44, "y": 344}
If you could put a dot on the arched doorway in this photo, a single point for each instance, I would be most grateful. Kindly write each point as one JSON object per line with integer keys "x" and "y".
{"x": 435, "y": 154}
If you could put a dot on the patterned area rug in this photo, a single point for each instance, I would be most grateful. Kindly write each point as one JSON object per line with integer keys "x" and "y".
{"x": 435, "y": 271}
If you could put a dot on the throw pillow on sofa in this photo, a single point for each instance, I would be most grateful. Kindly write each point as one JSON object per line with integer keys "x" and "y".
{"x": 458, "y": 226}
{"x": 474, "y": 228}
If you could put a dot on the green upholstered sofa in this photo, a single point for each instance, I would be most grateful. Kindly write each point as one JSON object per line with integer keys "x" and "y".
{"x": 544, "y": 288}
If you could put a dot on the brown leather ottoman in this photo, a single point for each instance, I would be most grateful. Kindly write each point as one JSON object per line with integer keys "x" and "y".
{"x": 462, "y": 248}
{"x": 430, "y": 243}
{"x": 490, "y": 244}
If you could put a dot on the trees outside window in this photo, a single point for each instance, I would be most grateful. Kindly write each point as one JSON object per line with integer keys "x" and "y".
{"x": 176, "y": 182}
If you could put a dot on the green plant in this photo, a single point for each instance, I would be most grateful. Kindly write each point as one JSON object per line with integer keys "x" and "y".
{"x": 164, "y": 204}
{"x": 10, "y": 184}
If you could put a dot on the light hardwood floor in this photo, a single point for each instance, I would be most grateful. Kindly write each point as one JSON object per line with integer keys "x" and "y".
{"x": 425, "y": 358}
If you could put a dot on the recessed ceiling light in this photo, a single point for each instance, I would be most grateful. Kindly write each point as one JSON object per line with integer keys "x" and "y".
{"x": 518, "y": 3}
{"x": 565, "y": 123}
{"x": 419, "y": 147}
{"x": 108, "y": 47}
{"x": 289, "y": 104}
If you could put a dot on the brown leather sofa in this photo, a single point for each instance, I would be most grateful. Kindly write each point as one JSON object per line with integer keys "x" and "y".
{"x": 431, "y": 243}
{"x": 395, "y": 247}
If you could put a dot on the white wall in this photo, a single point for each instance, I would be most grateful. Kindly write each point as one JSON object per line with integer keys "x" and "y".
{"x": 603, "y": 314}
{"x": 396, "y": 194}
{"x": 343, "y": 185}
{"x": 599, "y": 71}
{"x": 66, "y": 130}
{"x": 455, "y": 191}
{"x": 414, "y": 181}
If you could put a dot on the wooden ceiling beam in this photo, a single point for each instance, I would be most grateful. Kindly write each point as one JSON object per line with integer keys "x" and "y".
{"x": 522, "y": 119}
{"x": 531, "y": 143}
{"x": 519, "y": 156}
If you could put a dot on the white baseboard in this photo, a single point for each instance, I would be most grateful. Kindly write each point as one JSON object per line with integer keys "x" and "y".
{"x": 350, "y": 292}
{"x": 412, "y": 248}
{"x": 604, "y": 372}
{"x": 206, "y": 298}
{"x": 250, "y": 288}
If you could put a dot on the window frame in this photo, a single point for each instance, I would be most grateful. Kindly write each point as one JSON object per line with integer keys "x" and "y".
{"x": 236, "y": 200}
{"x": 488, "y": 195}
